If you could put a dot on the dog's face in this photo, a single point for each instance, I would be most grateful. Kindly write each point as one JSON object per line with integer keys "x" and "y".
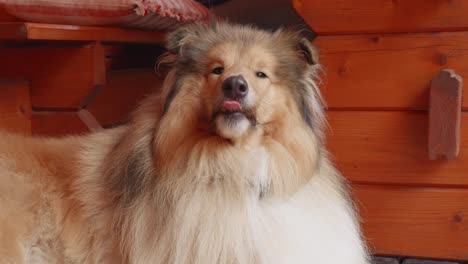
{"x": 243, "y": 78}
{"x": 241, "y": 88}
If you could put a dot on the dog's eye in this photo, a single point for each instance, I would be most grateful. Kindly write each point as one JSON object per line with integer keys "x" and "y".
{"x": 261, "y": 74}
{"x": 217, "y": 70}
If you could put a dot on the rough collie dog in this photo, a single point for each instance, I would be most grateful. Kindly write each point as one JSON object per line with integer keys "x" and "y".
{"x": 226, "y": 165}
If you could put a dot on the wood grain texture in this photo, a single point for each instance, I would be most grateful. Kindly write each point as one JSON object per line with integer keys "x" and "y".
{"x": 391, "y": 148}
{"x": 122, "y": 93}
{"x": 5, "y": 16}
{"x": 57, "y": 123}
{"x": 38, "y": 31}
{"x": 388, "y": 71}
{"x": 99, "y": 64}
{"x": 371, "y": 16}
{"x": 60, "y": 76}
{"x": 416, "y": 222}
{"x": 445, "y": 115}
{"x": 15, "y": 106}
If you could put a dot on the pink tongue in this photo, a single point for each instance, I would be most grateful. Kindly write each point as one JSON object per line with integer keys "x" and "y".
{"x": 231, "y": 105}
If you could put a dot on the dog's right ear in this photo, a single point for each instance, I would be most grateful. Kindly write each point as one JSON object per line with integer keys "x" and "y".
{"x": 309, "y": 51}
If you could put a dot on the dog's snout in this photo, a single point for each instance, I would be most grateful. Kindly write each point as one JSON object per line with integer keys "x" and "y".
{"x": 235, "y": 87}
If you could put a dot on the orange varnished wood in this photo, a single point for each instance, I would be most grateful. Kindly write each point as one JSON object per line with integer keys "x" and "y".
{"x": 57, "y": 123}
{"x": 124, "y": 90}
{"x": 388, "y": 71}
{"x": 419, "y": 222}
{"x": 60, "y": 77}
{"x": 391, "y": 148}
{"x": 38, "y": 31}
{"x": 15, "y": 106}
{"x": 376, "y": 16}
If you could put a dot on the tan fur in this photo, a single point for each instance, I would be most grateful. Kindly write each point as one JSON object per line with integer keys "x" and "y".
{"x": 173, "y": 186}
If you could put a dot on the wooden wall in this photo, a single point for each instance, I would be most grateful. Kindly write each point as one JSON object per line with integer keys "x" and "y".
{"x": 379, "y": 59}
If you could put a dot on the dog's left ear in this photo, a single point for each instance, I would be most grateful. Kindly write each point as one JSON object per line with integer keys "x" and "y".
{"x": 182, "y": 38}
{"x": 176, "y": 40}
{"x": 309, "y": 51}
{"x": 311, "y": 103}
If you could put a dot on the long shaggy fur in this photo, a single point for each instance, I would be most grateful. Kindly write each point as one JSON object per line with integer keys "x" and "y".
{"x": 176, "y": 185}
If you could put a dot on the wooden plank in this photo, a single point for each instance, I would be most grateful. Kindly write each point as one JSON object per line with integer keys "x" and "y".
{"x": 88, "y": 119}
{"x": 124, "y": 90}
{"x": 57, "y": 123}
{"x": 15, "y": 106}
{"x": 391, "y": 148}
{"x": 445, "y": 115}
{"x": 99, "y": 64}
{"x": 5, "y": 16}
{"x": 388, "y": 71}
{"x": 38, "y": 31}
{"x": 370, "y": 16}
{"x": 415, "y": 222}
{"x": 60, "y": 77}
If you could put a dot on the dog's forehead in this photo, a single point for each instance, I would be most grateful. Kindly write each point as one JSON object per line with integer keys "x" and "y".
{"x": 251, "y": 54}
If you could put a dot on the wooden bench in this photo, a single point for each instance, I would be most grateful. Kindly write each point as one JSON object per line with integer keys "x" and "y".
{"x": 59, "y": 70}
{"x": 25, "y": 31}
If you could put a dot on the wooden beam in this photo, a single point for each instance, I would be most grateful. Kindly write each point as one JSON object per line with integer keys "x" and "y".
{"x": 38, "y": 31}
{"x": 413, "y": 221}
{"x": 390, "y": 147}
{"x": 15, "y": 106}
{"x": 57, "y": 123}
{"x": 61, "y": 77}
{"x": 122, "y": 93}
{"x": 98, "y": 65}
{"x": 382, "y": 16}
{"x": 88, "y": 119}
{"x": 388, "y": 72}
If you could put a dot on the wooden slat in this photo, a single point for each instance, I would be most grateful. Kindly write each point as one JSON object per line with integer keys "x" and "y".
{"x": 38, "y": 31}
{"x": 5, "y": 16}
{"x": 391, "y": 148}
{"x": 57, "y": 123}
{"x": 418, "y": 222}
{"x": 368, "y": 16}
{"x": 388, "y": 71}
{"x": 124, "y": 90}
{"x": 99, "y": 64}
{"x": 89, "y": 120}
{"x": 15, "y": 106}
{"x": 60, "y": 77}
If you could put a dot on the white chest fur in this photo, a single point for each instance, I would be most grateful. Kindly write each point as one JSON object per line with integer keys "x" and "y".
{"x": 226, "y": 221}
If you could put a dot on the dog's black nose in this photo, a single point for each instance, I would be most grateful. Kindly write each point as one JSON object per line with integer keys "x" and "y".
{"x": 235, "y": 87}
